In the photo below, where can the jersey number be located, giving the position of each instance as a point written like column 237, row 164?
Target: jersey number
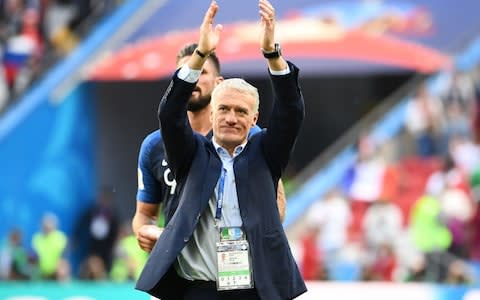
column 166, row 178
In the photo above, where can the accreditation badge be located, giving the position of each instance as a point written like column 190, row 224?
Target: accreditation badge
column 233, row 260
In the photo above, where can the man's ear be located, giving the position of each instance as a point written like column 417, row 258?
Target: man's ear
column 218, row 79
column 255, row 119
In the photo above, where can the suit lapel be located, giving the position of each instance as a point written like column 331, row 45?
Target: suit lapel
column 240, row 167
column 212, row 173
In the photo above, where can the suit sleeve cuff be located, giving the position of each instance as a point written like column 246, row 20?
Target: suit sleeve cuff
column 189, row 75
column 281, row 72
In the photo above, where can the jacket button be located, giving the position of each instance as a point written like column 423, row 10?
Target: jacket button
column 198, row 217
column 185, row 239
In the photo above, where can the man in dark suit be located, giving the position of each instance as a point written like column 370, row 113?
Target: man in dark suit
column 156, row 185
column 225, row 239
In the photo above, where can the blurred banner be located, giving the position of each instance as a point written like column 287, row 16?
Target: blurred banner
column 322, row 37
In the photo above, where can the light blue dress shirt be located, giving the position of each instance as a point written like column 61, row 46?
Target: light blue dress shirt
column 230, row 213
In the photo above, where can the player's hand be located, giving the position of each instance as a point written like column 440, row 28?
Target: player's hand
column 147, row 236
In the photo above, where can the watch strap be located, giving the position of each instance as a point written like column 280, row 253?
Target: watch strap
column 274, row 54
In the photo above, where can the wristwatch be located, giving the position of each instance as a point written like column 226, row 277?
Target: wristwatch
column 276, row 53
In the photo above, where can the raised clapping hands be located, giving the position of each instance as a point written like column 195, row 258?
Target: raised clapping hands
column 210, row 34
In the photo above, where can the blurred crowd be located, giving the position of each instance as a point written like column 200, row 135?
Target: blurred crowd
column 35, row 33
column 107, row 249
column 407, row 210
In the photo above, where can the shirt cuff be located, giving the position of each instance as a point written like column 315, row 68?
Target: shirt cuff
column 281, row 72
column 189, row 75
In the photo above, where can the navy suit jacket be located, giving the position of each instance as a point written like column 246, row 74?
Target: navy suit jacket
column 196, row 166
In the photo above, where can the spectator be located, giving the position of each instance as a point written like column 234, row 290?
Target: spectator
column 366, row 184
column 332, row 217
column 451, row 187
column 93, row 268
column 67, row 19
column 312, row 259
column 474, row 236
column 416, row 270
column 14, row 259
column 22, row 42
column 449, row 174
column 460, row 92
column 383, row 265
column 476, row 110
column 11, row 17
column 465, row 154
column 382, row 225
column 431, row 236
column 423, row 120
column 129, row 257
column 458, row 273
column 457, row 210
column 98, row 228
column 428, row 232
column 49, row 245
column 4, row 91
column 457, row 123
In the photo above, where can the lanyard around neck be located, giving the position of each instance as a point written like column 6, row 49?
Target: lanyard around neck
column 220, row 194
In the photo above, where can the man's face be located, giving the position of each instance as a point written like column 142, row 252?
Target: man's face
column 202, row 93
column 232, row 117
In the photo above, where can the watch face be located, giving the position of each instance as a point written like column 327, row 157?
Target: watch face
column 278, row 49
column 276, row 53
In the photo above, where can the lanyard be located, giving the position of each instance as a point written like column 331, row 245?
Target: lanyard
column 221, row 188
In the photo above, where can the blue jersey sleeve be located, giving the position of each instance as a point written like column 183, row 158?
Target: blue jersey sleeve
column 149, row 189
column 255, row 129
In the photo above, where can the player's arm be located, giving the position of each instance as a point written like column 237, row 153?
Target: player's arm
column 144, row 222
column 281, row 200
column 144, row 225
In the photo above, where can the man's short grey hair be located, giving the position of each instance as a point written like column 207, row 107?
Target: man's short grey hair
column 239, row 85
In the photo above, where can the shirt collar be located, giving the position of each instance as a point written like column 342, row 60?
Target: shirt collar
column 222, row 151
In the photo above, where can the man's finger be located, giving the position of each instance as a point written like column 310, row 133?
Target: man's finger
column 218, row 29
column 211, row 12
column 146, row 247
column 267, row 12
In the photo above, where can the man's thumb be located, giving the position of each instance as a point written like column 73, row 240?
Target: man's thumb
column 218, row 28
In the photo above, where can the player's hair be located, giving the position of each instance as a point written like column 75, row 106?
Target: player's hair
column 189, row 49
